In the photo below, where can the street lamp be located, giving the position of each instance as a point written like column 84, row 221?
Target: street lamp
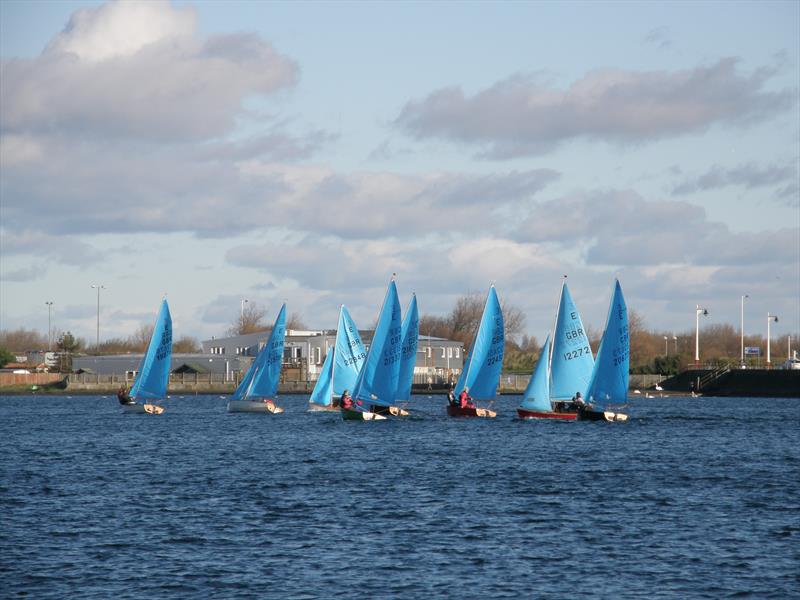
column 675, row 339
column 241, row 315
column 98, row 287
column 770, row 319
column 666, row 346
column 742, row 328
column 698, row 311
column 49, row 325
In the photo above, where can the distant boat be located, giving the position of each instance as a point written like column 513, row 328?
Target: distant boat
column 536, row 398
column 571, row 362
column 153, row 374
column 341, row 366
column 256, row 392
column 609, row 382
column 481, row 372
column 376, row 387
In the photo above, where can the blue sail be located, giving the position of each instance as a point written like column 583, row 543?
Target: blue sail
column 151, row 382
column 571, row 363
column 609, row 383
column 377, row 381
column 261, row 380
column 481, row 372
column 537, row 394
column 323, row 389
column 350, row 354
column 408, row 360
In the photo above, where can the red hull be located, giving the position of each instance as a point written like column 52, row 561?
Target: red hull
column 533, row 414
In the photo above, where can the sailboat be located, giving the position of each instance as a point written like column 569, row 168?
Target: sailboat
column 536, row 399
column 376, row 387
column 571, row 360
column 153, row 374
column 257, row 389
column 481, row 372
column 609, row 382
column 341, row 366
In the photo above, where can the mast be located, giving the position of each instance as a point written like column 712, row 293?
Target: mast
column 333, row 358
column 555, row 324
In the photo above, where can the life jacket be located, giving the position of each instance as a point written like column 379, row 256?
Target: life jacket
column 347, row 402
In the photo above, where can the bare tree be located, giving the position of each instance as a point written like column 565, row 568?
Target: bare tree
column 296, row 322
column 250, row 320
column 186, row 345
column 139, row 340
column 22, row 340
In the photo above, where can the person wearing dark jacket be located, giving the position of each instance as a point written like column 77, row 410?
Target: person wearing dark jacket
column 123, row 397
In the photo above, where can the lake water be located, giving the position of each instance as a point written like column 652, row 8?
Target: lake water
column 693, row 498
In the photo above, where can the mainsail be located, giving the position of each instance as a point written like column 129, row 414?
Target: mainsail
column 408, row 358
column 377, row 381
column 609, row 383
column 537, row 394
column 261, row 380
column 482, row 368
column 153, row 377
column 571, row 363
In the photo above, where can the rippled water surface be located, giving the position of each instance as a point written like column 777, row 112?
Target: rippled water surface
column 693, row 498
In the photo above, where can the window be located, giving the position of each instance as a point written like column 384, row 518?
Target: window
column 458, row 352
column 450, row 352
column 318, row 353
column 428, row 351
column 444, row 352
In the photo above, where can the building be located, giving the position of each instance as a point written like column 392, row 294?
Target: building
column 128, row 364
column 437, row 358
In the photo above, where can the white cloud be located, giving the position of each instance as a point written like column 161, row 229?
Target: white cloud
column 121, row 28
column 521, row 115
column 139, row 70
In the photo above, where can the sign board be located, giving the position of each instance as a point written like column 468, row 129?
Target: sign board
column 752, row 350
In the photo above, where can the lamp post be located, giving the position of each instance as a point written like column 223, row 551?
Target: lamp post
column 698, row 311
column 770, row 319
column 98, row 287
column 742, row 328
column 241, row 316
column 666, row 346
column 49, row 325
column 675, row 339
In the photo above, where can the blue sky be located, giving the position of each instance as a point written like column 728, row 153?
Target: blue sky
column 303, row 152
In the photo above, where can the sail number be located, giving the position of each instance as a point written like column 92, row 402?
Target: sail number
column 576, row 353
column 354, row 359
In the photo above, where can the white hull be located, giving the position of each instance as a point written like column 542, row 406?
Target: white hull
column 142, row 409
column 256, row 406
column 615, row 416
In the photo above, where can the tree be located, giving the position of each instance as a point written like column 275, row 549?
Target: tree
column 67, row 344
column 139, row 340
column 186, row 345
column 295, row 322
column 249, row 320
column 5, row 357
column 21, row 340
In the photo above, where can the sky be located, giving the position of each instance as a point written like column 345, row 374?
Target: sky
column 303, row 152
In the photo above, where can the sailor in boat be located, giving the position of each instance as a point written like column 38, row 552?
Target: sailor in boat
column 124, row 397
column 451, row 397
column 464, row 399
column 347, row 400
